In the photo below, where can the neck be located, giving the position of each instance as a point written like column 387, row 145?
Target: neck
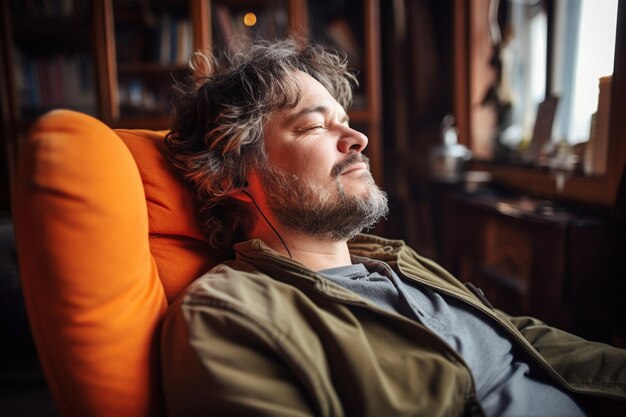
column 315, row 253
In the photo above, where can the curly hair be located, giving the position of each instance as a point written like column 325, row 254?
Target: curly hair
column 219, row 115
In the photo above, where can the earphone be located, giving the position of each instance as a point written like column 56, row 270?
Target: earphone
column 245, row 184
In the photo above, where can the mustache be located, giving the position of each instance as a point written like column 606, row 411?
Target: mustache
column 353, row 158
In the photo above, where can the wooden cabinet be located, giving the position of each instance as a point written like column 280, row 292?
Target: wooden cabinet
column 531, row 257
column 115, row 59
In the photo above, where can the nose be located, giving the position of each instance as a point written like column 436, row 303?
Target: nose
column 352, row 140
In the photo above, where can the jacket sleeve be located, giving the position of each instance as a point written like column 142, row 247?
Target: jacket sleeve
column 218, row 362
column 586, row 366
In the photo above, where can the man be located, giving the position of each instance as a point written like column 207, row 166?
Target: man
column 311, row 318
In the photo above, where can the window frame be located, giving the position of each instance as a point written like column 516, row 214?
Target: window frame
column 600, row 190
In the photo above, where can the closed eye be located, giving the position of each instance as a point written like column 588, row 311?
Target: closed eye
column 311, row 128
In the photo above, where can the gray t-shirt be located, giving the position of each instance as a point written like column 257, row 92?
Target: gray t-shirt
column 511, row 388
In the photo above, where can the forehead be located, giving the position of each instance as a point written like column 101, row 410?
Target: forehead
column 313, row 97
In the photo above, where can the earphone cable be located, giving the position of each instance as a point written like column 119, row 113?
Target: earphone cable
column 268, row 222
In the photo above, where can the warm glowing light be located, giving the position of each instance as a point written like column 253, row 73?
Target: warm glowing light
column 249, row 19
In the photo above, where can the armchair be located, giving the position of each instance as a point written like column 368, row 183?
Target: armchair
column 106, row 239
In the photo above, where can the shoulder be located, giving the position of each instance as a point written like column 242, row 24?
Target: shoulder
column 238, row 289
column 235, row 305
column 228, row 284
column 229, row 337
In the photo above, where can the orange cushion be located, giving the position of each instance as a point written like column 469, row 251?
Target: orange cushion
column 174, row 229
column 84, row 234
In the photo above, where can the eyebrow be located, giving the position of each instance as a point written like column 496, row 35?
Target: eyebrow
column 314, row 109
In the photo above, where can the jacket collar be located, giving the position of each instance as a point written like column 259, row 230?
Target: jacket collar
column 363, row 245
column 394, row 252
column 274, row 264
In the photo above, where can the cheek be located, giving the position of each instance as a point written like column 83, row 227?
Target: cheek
column 304, row 161
column 316, row 163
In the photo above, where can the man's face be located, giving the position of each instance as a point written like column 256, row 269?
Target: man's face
column 317, row 181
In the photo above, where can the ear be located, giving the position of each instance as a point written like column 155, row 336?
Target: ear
column 250, row 189
column 243, row 194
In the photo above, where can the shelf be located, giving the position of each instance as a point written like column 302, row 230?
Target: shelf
column 582, row 189
column 59, row 28
column 145, row 68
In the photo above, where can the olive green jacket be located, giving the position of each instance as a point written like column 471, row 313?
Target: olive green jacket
column 262, row 335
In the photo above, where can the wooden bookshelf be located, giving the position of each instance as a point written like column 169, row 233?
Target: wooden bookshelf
column 122, row 55
column 49, row 58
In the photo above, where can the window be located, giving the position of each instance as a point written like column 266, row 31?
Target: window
column 513, row 57
column 584, row 48
column 522, row 84
column 540, row 49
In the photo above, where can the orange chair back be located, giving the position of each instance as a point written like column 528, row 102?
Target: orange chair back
column 106, row 239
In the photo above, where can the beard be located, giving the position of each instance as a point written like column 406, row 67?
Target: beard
column 324, row 212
